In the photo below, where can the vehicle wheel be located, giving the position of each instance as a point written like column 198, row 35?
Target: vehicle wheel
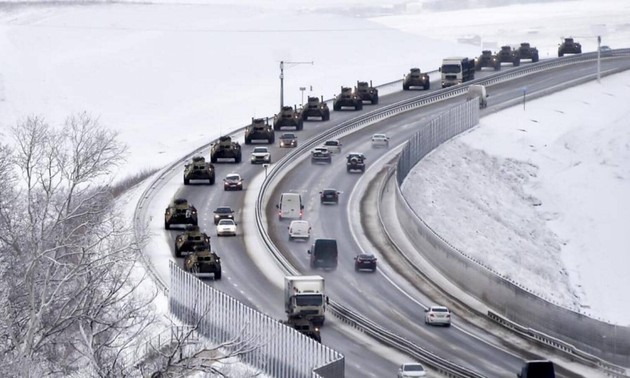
column 238, row 158
column 447, row 324
column 375, row 101
column 356, row 268
column 336, row 107
column 405, row 87
column 560, row 54
column 535, row 58
column 326, row 116
column 272, row 139
column 166, row 225
column 517, row 62
column 497, row 67
column 195, row 222
column 359, row 106
column 427, row 86
column 299, row 126
column 212, row 180
column 217, row 275
column 178, row 252
column 213, row 159
column 248, row 141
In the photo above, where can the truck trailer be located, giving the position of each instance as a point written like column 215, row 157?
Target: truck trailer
column 456, row 70
column 304, row 297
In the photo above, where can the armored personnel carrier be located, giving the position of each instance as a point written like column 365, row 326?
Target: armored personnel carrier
column 259, row 129
column 486, row 59
column 525, row 51
column 508, row 55
column 306, row 327
column 225, row 149
column 198, row 169
column 192, row 238
column 569, row 46
column 355, row 161
column 415, row 78
column 347, row 98
column 203, row 263
column 288, row 117
column 316, row 108
column 367, row 92
column 180, row 212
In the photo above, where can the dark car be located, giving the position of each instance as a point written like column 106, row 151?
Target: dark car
column 289, row 140
column 327, row 196
column 365, row 262
column 223, row 212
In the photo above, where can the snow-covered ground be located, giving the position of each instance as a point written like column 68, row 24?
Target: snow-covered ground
column 541, row 195
column 171, row 77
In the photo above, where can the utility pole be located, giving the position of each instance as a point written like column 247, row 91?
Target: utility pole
column 289, row 64
column 599, row 63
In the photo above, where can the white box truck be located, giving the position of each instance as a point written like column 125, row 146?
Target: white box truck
column 304, row 297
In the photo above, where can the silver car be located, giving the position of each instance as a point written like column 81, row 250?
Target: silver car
column 438, row 315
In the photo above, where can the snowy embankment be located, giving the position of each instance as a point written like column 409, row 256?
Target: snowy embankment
column 541, row 195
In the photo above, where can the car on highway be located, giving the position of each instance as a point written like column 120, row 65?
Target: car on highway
column 411, row 369
column 233, row 181
column 226, row 227
column 321, row 155
column 329, row 196
column 380, row 140
column 438, row 315
column 223, row 212
column 261, row 155
column 299, row 229
column 288, row 140
column 364, row 261
column 333, row 145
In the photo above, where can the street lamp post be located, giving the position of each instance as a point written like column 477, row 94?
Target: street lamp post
column 302, row 89
column 289, row 64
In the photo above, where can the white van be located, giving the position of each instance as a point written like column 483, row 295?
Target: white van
column 290, row 206
column 478, row 91
column 299, row 229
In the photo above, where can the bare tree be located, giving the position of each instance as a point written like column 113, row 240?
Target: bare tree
column 66, row 255
column 186, row 354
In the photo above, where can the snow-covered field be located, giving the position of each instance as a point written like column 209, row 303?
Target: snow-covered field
column 541, row 195
column 171, row 77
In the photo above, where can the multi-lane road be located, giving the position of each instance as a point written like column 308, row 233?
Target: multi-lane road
column 384, row 296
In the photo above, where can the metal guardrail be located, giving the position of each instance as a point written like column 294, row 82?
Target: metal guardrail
column 347, row 315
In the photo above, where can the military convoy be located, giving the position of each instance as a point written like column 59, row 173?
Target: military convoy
column 259, row 129
column 203, row 263
column 288, row 117
column 225, row 149
column 486, row 59
column 316, row 108
column 525, row 51
column 509, row 55
column 192, row 238
column 180, row 212
column 569, row 46
column 415, row 78
column 367, row 92
column 198, row 169
column 347, row 98
column 306, row 327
